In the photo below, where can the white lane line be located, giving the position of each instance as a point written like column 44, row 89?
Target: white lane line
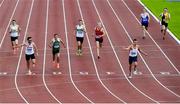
column 119, row 62
column 44, row 61
column 139, row 53
column 19, row 61
column 5, row 33
column 170, row 33
column 69, row 62
column 153, row 39
column 1, row 3
column 95, row 66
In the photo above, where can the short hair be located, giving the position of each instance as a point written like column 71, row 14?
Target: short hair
column 80, row 19
column 28, row 38
column 134, row 40
column 165, row 8
column 14, row 20
column 55, row 34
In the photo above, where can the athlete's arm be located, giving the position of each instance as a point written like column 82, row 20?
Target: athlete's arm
column 103, row 32
column 127, row 48
column 35, row 48
column 50, row 44
column 63, row 43
column 19, row 29
column 141, row 51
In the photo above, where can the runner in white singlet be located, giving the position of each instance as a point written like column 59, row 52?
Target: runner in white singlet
column 14, row 31
column 30, row 50
column 80, row 32
column 133, row 55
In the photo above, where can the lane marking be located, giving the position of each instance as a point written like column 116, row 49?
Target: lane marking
column 83, row 73
column 165, row 73
column 110, row 73
column 153, row 39
column 171, row 34
column 93, row 59
column 69, row 62
column 5, row 33
column 44, row 60
column 20, row 57
column 1, row 3
column 139, row 53
column 115, row 53
column 161, row 51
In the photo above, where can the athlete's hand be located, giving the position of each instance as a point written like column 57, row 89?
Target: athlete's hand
column 37, row 54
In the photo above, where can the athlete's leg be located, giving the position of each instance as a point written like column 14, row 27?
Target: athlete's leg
column 34, row 62
column 130, row 70
column 144, row 31
column 135, row 66
column 97, row 47
column 58, row 60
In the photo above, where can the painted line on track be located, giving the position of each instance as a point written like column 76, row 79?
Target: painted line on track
column 153, row 39
column 139, row 53
column 161, row 51
column 118, row 60
column 44, row 61
column 6, row 30
column 68, row 54
column 94, row 63
column 171, row 34
column 20, row 57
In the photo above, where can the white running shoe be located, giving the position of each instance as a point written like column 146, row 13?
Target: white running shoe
column 130, row 76
column 54, row 73
column 135, row 72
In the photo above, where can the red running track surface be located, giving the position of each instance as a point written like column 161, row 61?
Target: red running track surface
column 42, row 18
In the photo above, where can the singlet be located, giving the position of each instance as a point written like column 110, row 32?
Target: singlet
column 14, row 30
column 165, row 17
column 98, row 32
column 29, row 48
column 133, row 52
column 56, row 43
column 144, row 17
column 80, row 31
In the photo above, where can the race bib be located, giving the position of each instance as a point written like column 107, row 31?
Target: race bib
column 80, row 32
column 29, row 49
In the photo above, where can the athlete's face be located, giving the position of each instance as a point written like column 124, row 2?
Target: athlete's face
column 56, row 36
column 29, row 41
column 144, row 10
column 134, row 42
column 80, row 22
column 99, row 24
column 165, row 10
column 13, row 22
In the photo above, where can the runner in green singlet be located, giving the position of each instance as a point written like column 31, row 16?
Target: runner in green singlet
column 55, row 44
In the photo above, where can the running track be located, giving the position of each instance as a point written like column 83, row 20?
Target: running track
column 106, row 81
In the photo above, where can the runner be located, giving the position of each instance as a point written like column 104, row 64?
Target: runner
column 14, row 31
column 30, row 50
column 145, row 18
column 99, row 33
column 133, row 55
column 80, row 32
column 55, row 45
column 164, row 19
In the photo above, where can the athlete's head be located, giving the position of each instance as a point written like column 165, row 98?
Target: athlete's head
column 165, row 10
column 144, row 10
column 80, row 22
column 13, row 22
column 56, row 36
column 29, row 39
column 135, row 41
column 99, row 24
